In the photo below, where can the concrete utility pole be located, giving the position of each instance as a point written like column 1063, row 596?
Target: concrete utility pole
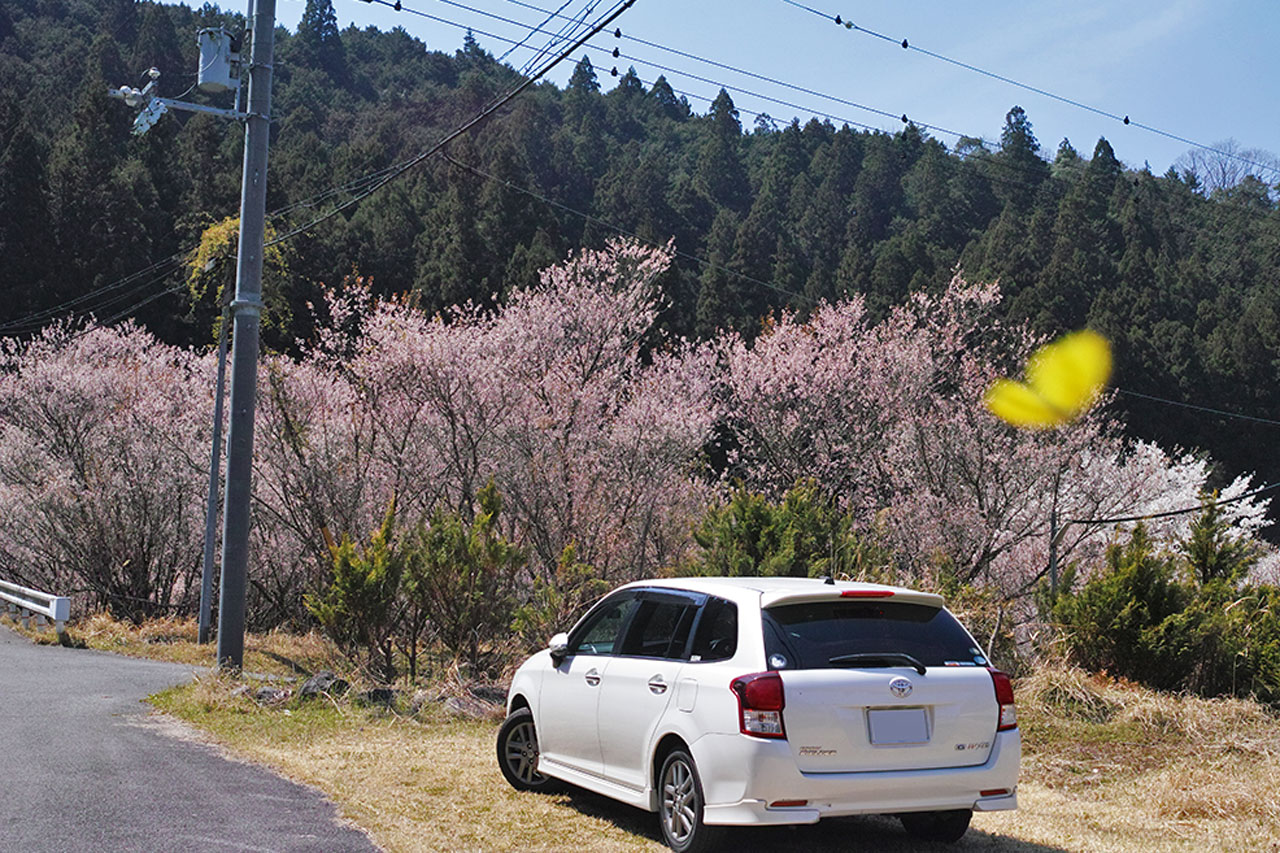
column 211, row 508
column 246, row 310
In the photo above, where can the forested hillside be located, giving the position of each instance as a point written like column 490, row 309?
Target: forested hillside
column 1184, row 277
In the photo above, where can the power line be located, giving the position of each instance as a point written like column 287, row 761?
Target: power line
column 1125, row 119
column 567, row 31
column 522, row 41
column 33, row 321
column 489, row 110
column 728, row 87
column 762, row 77
column 1173, row 512
column 1194, row 407
column 900, row 117
column 619, row 55
column 550, row 14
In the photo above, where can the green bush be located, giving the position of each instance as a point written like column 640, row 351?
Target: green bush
column 1109, row 620
column 1140, row 619
column 747, row 536
column 358, row 610
column 1226, row 642
column 463, row 575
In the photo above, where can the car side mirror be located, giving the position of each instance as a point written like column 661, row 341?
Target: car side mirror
column 559, row 648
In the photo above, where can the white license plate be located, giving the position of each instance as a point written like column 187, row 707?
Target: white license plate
column 893, row 726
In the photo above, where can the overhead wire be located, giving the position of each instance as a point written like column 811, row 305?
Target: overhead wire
column 727, row 86
column 1170, row 513
column 1123, row 119
column 903, row 117
column 567, row 31
column 608, row 18
column 1193, row 406
column 522, row 41
column 89, row 302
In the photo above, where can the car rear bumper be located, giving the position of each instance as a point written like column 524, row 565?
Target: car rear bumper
column 741, row 776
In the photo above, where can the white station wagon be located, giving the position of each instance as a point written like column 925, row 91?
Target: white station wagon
column 761, row 701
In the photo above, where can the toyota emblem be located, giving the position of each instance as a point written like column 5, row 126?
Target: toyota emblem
column 900, row 687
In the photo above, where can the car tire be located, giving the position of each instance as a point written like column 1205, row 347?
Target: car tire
column 680, row 806
column 518, row 753
column 947, row 826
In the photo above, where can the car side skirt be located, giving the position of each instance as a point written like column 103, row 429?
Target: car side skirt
column 640, row 798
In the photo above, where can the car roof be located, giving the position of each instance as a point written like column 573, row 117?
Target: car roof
column 773, row 591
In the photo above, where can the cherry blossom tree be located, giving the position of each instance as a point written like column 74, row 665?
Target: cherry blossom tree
column 888, row 418
column 589, row 424
column 104, row 439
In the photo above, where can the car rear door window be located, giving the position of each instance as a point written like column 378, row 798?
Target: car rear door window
column 815, row 635
column 660, row 627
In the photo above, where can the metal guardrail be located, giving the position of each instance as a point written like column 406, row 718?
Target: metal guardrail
column 33, row 601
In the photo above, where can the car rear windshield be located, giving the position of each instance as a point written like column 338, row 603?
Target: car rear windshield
column 816, row 635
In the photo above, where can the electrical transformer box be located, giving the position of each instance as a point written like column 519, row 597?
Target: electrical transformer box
column 219, row 61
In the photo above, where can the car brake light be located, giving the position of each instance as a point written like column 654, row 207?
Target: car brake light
column 760, row 703
column 1008, row 718
column 866, row 593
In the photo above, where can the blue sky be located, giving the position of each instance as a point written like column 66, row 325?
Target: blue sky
column 1206, row 70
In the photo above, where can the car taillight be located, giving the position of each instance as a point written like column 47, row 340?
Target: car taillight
column 1008, row 718
column 760, row 703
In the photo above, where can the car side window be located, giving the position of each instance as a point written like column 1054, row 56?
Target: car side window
column 599, row 633
column 660, row 629
column 717, row 636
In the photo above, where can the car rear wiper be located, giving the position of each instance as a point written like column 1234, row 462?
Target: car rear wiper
column 878, row 659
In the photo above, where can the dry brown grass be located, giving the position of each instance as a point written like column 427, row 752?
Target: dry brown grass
column 1116, row 766
column 275, row 653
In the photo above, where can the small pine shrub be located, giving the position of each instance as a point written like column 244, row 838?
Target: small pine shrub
column 1138, row 619
column 463, row 575
column 358, row 609
column 1109, row 621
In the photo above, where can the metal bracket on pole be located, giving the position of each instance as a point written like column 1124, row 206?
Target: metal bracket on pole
column 248, row 306
column 201, row 108
column 153, row 106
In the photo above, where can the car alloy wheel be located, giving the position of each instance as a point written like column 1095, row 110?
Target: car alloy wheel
column 680, row 806
column 518, row 752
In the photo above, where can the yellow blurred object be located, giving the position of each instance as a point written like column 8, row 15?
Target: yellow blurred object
column 1064, row 379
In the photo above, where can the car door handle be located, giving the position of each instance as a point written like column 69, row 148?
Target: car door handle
column 592, row 677
column 657, row 685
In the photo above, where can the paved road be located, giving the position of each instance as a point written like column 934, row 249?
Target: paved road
column 84, row 766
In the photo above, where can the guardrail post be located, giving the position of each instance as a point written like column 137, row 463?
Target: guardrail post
column 61, row 613
column 26, row 619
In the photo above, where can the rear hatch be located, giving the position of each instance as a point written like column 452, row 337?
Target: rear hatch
column 856, row 698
